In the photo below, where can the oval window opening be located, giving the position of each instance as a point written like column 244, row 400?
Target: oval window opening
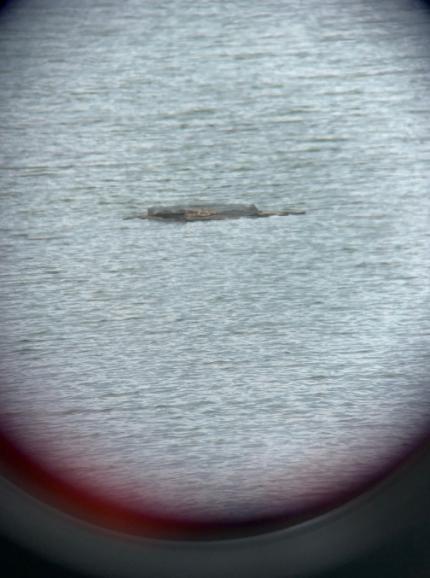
column 193, row 369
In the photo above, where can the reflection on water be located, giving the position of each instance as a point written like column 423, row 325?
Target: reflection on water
column 230, row 367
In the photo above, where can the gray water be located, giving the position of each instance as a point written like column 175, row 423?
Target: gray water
column 225, row 368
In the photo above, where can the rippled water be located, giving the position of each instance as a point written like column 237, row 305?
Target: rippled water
column 231, row 367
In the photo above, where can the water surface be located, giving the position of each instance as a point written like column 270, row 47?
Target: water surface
column 225, row 368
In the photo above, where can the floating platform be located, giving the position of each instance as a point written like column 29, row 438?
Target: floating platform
column 211, row 212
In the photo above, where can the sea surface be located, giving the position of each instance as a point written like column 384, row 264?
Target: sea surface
column 217, row 369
